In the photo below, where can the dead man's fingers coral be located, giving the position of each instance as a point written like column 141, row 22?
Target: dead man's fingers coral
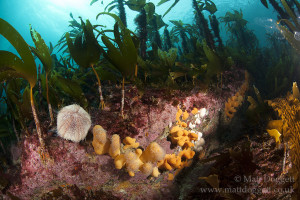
column 115, row 146
column 153, row 153
column 100, row 142
column 130, row 143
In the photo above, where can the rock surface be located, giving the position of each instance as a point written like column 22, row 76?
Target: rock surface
column 75, row 166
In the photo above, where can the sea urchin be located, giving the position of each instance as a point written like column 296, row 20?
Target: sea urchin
column 73, row 123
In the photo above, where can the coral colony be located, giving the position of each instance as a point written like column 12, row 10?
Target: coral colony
column 146, row 115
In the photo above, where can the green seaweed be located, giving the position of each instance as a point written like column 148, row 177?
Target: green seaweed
column 146, row 12
column 6, row 134
column 52, row 93
column 135, row 5
column 18, row 102
column 116, row 18
column 154, row 25
column 241, row 37
column 234, row 21
column 291, row 13
column 258, row 110
column 4, row 130
column 93, row 1
column 141, row 22
column 214, row 23
column 150, row 10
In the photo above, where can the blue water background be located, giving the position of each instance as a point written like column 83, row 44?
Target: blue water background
column 50, row 17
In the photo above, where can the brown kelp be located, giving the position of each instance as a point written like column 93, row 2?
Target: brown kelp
column 167, row 39
column 214, row 23
column 180, row 29
column 241, row 36
column 288, row 109
column 202, row 23
column 123, row 58
column 141, row 21
column 14, row 67
column 86, row 53
column 119, row 4
column 42, row 52
column 290, row 29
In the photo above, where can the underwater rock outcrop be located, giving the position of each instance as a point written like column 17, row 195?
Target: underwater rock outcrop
column 148, row 119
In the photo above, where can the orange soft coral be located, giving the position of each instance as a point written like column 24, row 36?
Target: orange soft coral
column 137, row 160
column 182, row 137
column 232, row 104
column 119, row 161
column 185, row 115
column 235, row 101
column 178, row 114
column 100, row 141
column 187, row 153
column 172, row 161
column 115, row 146
column 153, row 153
column 194, row 111
column 147, row 168
column 130, row 143
column 148, row 161
column 133, row 162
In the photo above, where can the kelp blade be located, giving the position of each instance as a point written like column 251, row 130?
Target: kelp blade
column 28, row 70
column 41, row 50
